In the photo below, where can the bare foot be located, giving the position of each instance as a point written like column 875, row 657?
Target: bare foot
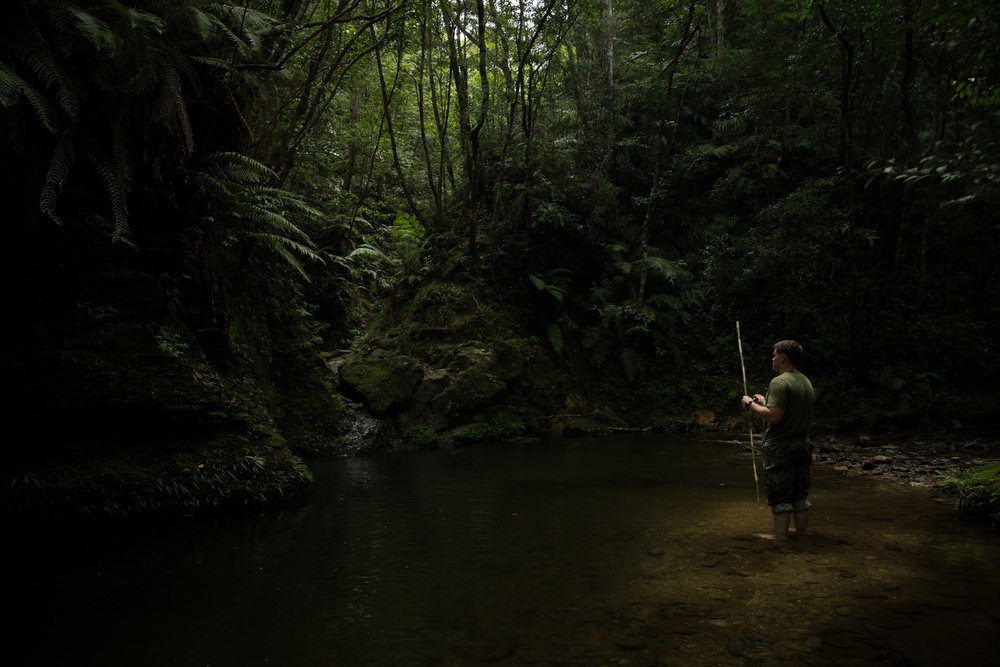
column 772, row 537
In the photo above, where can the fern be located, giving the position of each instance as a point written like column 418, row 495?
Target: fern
column 238, row 25
column 48, row 70
column 94, row 30
column 555, row 282
column 13, row 87
column 631, row 363
column 171, row 106
column 233, row 187
column 595, row 341
column 284, row 247
column 59, row 167
column 668, row 269
column 113, row 182
column 556, row 338
column 367, row 251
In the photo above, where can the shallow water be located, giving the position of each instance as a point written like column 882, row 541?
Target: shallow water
column 630, row 549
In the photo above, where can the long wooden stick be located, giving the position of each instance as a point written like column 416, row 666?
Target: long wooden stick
column 753, row 459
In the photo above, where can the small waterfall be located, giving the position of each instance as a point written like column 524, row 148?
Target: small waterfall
column 369, row 435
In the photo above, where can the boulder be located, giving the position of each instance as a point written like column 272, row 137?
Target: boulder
column 384, row 384
column 472, row 389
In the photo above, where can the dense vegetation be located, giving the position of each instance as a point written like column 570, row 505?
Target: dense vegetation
column 202, row 197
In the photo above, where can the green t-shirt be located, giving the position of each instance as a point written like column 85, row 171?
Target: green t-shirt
column 794, row 392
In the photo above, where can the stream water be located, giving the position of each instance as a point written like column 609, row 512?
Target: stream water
column 629, row 550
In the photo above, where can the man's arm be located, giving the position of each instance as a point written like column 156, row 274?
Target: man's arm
column 758, row 407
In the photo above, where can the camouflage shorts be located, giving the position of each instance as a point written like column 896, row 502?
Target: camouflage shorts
column 786, row 474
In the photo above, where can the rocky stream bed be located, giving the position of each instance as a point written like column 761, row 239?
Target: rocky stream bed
column 915, row 459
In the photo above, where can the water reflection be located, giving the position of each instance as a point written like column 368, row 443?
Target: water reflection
column 577, row 551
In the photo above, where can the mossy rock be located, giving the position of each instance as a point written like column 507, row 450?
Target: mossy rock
column 504, row 359
column 382, row 383
column 420, row 436
column 498, row 429
column 510, row 358
column 474, row 388
column 579, row 426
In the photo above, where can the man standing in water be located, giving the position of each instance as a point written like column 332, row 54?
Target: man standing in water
column 787, row 410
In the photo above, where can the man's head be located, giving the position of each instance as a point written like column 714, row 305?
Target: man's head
column 787, row 353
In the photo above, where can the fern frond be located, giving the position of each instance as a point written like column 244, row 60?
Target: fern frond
column 59, row 167
column 238, row 168
column 292, row 261
column 202, row 24
column 596, row 342
column 121, row 152
column 144, row 22
column 368, row 252
column 113, row 183
column 184, row 121
column 136, row 58
column 214, row 63
column 668, row 301
column 61, row 19
column 217, row 188
column 262, row 215
column 556, row 338
column 206, row 25
column 179, row 60
column 665, row 268
column 631, row 363
column 142, row 80
column 285, row 242
column 44, row 64
column 296, row 203
column 285, row 247
column 13, row 130
column 247, row 22
column 12, row 87
column 555, row 290
column 93, row 29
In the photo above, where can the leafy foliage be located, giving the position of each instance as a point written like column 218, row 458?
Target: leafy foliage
column 628, row 179
column 979, row 493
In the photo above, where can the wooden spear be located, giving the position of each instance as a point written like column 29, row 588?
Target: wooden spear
column 753, row 459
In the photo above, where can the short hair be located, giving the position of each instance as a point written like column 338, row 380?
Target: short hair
column 790, row 348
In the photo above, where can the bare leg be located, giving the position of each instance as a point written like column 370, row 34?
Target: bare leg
column 801, row 524
column 781, row 522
